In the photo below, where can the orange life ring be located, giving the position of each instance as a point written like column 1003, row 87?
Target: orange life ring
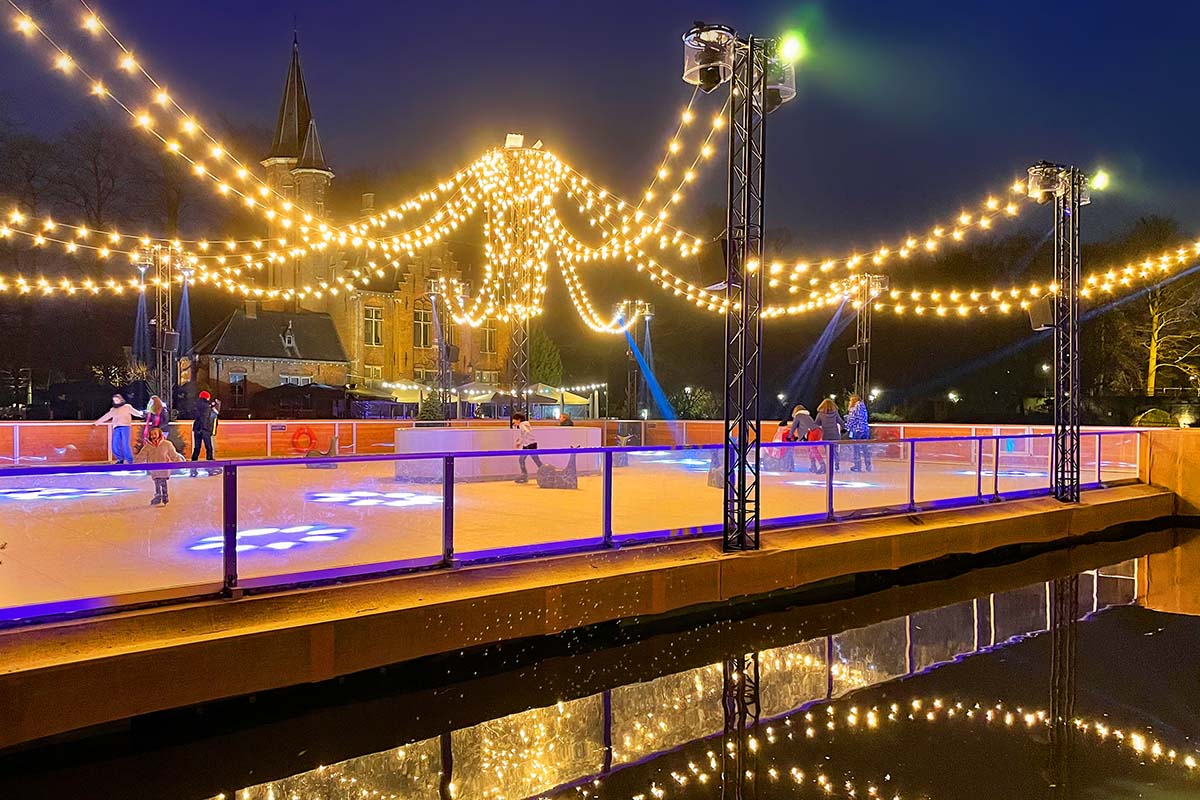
column 307, row 432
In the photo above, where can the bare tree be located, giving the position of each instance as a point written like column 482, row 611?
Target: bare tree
column 26, row 168
column 96, row 172
column 1172, row 332
column 1154, row 337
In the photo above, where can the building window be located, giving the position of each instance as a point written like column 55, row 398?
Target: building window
column 423, row 327
column 433, row 283
column 295, row 380
column 450, row 331
column 373, row 375
column 487, row 338
column 487, row 375
column 373, row 326
column 237, row 389
column 426, row 375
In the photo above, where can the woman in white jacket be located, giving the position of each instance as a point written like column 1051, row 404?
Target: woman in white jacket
column 120, row 416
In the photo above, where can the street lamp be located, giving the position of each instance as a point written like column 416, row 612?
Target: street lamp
column 954, row 397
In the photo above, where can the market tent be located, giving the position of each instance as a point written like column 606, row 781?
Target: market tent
column 544, row 394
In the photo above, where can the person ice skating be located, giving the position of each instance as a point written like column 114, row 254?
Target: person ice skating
column 202, row 427
column 858, row 428
column 121, row 417
column 783, row 455
column 832, row 427
column 525, row 441
column 157, row 450
column 803, row 428
column 565, row 421
column 156, row 416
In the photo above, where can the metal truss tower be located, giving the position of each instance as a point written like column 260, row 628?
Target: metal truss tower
column 744, row 291
column 158, row 261
column 869, row 287
column 1068, row 188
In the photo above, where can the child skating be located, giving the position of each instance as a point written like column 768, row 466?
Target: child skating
column 157, row 450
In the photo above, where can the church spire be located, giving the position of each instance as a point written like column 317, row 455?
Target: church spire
column 311, row 154
column 295, row 114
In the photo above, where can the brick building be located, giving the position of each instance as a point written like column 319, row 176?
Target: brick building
column 368, row 338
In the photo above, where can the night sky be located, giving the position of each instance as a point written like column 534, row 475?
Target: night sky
column 907, row 111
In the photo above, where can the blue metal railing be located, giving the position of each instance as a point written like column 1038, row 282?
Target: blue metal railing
column 974, row 450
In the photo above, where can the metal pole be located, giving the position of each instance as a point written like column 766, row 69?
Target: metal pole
column 229, row 526
column 607, row 499
column 1099, row 461
column 448, row 511
column 16, row 429
column 829, row 482
column 996, row 472
column 977, row 446
column 912, row 475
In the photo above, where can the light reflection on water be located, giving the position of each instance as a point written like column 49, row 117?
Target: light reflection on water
column 667, row 735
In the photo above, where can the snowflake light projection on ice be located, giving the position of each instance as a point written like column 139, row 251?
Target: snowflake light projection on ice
column 273, row 538
column 364, row 497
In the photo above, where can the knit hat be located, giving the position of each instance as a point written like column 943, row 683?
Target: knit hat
column 205, row 396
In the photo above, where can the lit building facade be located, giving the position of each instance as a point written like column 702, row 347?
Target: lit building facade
column 368, row 338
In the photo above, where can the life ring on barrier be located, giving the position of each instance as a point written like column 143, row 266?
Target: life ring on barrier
column 311, row 437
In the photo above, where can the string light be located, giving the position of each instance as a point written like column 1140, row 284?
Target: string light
column 958, row 304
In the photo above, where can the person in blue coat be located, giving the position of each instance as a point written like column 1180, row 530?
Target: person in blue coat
column 858, row 428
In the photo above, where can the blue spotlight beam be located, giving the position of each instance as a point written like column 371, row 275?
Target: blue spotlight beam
column 656, row 390
column 804, row 380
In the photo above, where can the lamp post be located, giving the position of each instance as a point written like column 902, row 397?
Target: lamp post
column 760, row 80
column 1067, row 188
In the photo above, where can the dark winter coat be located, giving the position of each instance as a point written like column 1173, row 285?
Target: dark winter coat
column 831, row 424
column 202, row 416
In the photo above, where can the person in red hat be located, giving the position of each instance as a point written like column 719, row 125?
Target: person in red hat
column 202, row 427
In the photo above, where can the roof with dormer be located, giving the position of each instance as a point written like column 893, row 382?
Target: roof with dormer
column 295, row 336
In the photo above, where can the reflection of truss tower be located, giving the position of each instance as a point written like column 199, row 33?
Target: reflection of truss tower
column 739, row 746
column 1064, row 622
column 868, row 288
